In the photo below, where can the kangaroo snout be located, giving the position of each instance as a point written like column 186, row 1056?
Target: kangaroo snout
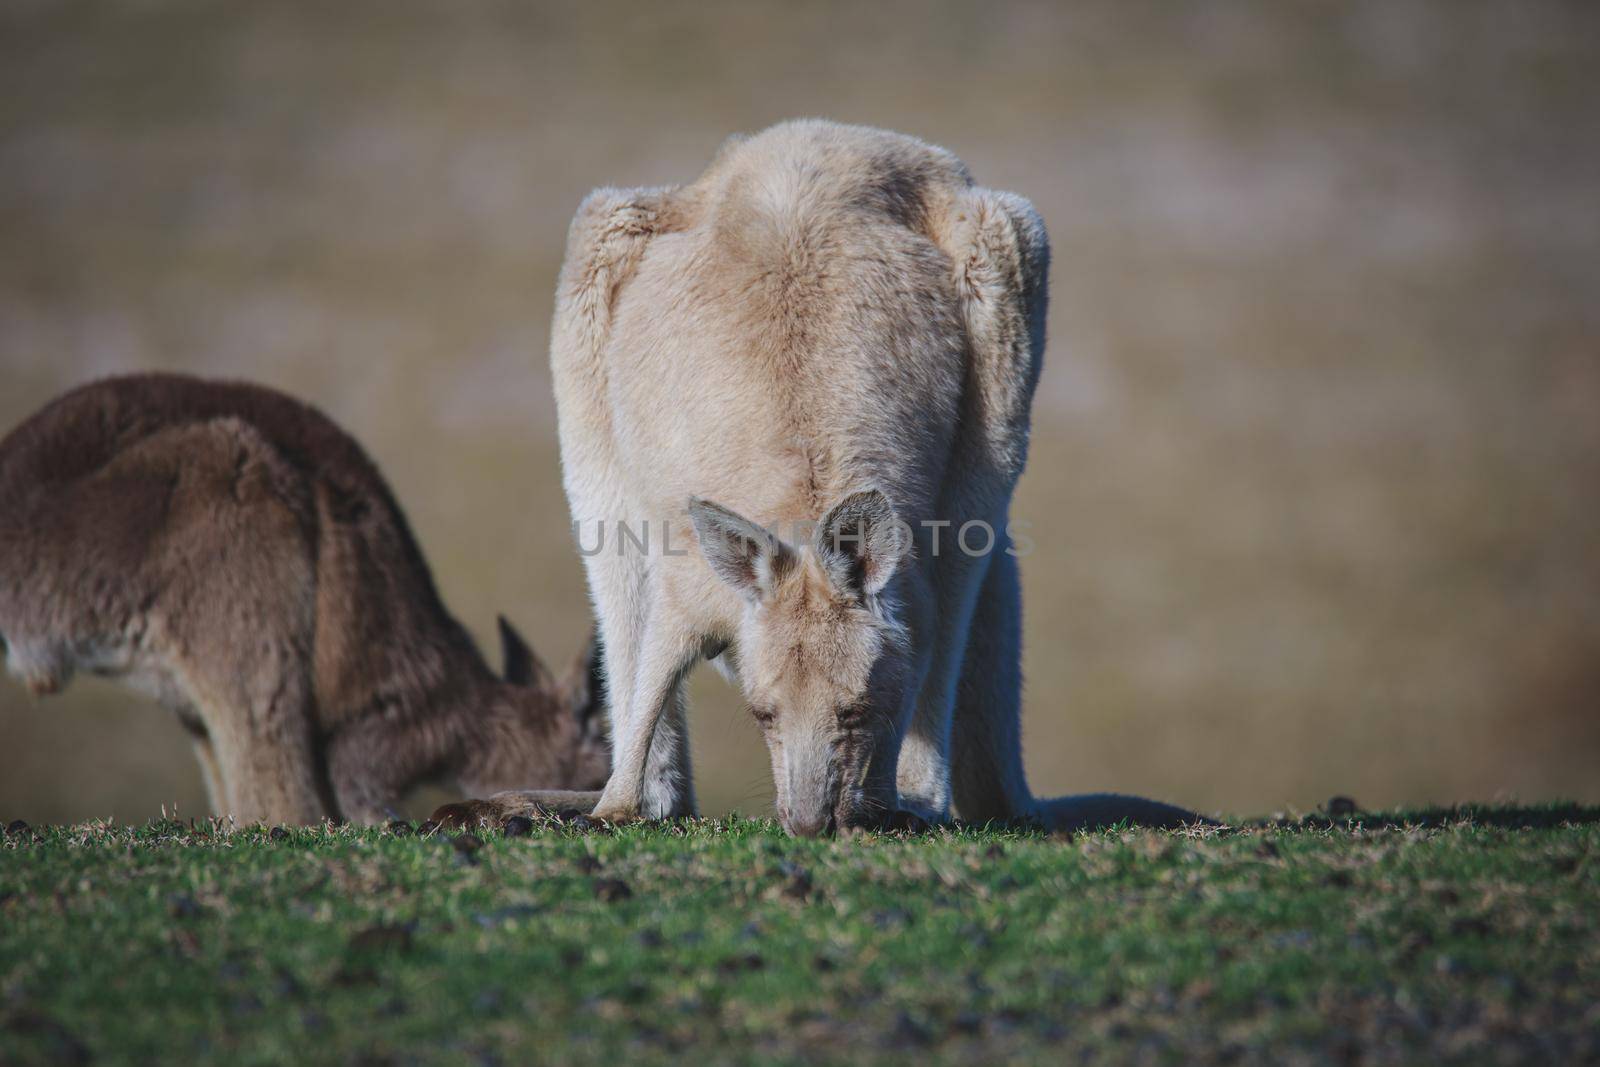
column 810, row 824
column 830, row 819
column 811, row 814
column 807, row 778
column 825, row 811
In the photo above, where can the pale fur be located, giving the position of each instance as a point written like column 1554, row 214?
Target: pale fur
column 829, row 313
column 235, row 555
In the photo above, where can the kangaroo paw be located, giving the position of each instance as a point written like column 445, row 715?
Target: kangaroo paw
column 616, row 816
column 464, row 814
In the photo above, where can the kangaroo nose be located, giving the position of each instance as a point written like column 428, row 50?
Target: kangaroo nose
column 809, row 825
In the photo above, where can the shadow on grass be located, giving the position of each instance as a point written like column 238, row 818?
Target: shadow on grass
column 1532, row 817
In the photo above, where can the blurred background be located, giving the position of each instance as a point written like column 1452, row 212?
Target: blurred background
column 1316, row 473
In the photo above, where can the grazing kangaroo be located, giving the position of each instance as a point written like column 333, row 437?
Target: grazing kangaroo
column 235, row 554
column 832, row 330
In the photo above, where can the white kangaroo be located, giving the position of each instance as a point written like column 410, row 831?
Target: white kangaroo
column 831, row 328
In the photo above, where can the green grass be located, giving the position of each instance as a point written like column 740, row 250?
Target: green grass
column 1436, row 937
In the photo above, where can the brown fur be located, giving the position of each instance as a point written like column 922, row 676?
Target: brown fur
column 234, row 553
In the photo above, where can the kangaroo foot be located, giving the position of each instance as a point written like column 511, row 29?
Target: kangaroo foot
column 616, row 816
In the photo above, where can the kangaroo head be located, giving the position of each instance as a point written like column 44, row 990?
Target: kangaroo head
column 570, row 713
column 821, row 658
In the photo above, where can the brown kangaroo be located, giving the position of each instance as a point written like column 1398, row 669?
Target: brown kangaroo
column 233, row 553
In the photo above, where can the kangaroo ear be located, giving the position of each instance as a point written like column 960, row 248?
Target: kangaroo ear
column 584, row 688
column 861, row 541
column 739, row 552
column 522, row 667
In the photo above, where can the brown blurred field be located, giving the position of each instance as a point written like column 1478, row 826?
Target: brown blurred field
column 1316, row 480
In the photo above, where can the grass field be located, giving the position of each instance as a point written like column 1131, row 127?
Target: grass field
column 1463, row 936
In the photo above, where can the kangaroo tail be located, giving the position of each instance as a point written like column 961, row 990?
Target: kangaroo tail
column 1089, row 811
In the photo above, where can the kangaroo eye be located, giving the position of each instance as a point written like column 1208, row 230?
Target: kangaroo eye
column 763, row 714
column 851, row 716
